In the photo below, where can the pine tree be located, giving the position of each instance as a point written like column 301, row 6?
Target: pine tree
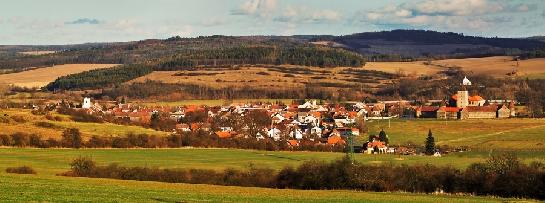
column 383, row 137
column 430, row 144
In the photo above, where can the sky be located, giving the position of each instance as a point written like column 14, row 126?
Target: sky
column 41, row 22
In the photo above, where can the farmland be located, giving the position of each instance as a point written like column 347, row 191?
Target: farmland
column 46, row 186
column 279, row 77
column 26, row 188
column 42, row 76
column 497, row 66
column 28, row 123
column 484, row 134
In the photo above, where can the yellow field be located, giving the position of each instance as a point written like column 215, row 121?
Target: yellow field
column 29, row 125
column 36, row 53
column 42, row 76
column 263, row 77
column 497, row 66
column 403, row 68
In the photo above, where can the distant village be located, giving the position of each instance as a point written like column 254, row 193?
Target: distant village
column 324, row 123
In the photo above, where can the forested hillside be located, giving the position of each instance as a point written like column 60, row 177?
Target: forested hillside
column 403, row 45
column 201, row 51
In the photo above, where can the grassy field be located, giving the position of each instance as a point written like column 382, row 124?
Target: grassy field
column 25, row 188
column 512, row 134
column 53, row 161
column 46, row 186
column 42, row 76
column 87, row 129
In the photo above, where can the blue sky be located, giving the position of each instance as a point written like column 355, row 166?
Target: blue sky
column 79, row 21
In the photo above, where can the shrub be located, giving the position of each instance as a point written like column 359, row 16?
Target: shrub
column 83, row 166
column 21, row 170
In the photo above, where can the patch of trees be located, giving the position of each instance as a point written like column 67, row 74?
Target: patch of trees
column 501, row 175
column 71, row 138
column 99, row 78
column 170, row 92
column 433, row 37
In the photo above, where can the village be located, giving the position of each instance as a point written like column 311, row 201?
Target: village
column 332, row 124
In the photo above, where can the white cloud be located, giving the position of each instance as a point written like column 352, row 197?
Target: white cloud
column 444, row 14
column 294, row 14
column 454, row 7
column 257, row 8
column 213, row 21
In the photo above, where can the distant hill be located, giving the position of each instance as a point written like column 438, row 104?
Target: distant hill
column 389, row 45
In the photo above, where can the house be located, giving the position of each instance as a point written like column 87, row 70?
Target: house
column 426, row 111
column 503, row 112
column 479, row 112
column 335, row 140
column 183, row 127
column 296, row 133
column 225, row 134
column 274, row 133
column 293, row 143
column 376, row 147
column 448, row 113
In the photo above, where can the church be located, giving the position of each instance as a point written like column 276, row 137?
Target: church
column 463, row 106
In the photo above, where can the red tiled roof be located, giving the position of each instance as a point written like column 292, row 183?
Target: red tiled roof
column 491, row 108
column 475, row 98
column 293, row 143
column 449, row 109
column 223, row 134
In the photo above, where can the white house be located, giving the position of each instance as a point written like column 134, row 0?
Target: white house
column 274, row 133
column 86, row 103
column 297, row 134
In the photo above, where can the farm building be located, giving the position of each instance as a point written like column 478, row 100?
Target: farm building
column 448, row 113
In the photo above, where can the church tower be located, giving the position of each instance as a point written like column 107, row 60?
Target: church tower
column 463, row 95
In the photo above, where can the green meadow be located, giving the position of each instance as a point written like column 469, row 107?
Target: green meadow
column 492, row 134
column 47, row 186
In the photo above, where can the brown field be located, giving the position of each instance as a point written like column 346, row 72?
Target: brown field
column 36, row 53
column 42, row 76
column 404, row 68
column 259, row 77
column 497, row 66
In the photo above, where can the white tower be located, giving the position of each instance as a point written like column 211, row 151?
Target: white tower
column 463, row 99
column 463, row 96
column 86, row 103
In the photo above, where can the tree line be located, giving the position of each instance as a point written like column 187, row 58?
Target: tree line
column 501, row 175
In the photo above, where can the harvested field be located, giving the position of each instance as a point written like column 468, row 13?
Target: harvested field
column 43, row 76
column 404, row 68
column 36, row 53
column 273, row 77
column 497, row 66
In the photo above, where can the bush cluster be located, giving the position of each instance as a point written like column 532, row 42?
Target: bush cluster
column 72, row 138
column 21, row 170
column 502, row 176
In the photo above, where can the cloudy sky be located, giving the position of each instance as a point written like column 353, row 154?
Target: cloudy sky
column 79, row 21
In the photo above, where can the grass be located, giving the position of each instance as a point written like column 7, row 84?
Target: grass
column 25, row 188
column 87, row 129
column 42, row 76
column 46, row 186
column 53, row 161
column 506, row 134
